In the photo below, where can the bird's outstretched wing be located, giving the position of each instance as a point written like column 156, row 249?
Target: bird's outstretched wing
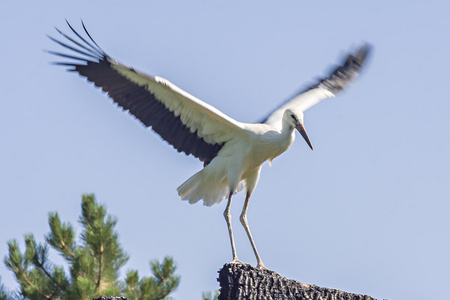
column 187, row 123
column 326, row 88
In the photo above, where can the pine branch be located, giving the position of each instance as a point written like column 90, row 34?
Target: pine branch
column 40, row 258
column 58, row 285
column 18, row 263
column 94, row 264
column 31, row 284
column 4, row 293
column 100, row 262
column 61, row 237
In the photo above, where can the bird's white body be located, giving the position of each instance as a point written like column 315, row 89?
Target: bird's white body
column 232, row 152
column 247, row 146
column 237, row 164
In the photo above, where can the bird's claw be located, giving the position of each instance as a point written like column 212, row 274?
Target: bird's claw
column 261, row 266
column 236, row 261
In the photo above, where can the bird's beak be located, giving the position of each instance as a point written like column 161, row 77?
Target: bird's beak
column 302, row 131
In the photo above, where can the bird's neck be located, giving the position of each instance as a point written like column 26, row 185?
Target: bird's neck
column 282, row 141
column 287, row 135
column 286, row 127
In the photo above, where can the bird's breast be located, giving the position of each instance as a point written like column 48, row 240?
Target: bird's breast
column 269, row 145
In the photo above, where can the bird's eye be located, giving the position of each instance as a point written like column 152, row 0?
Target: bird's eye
column 294, row 117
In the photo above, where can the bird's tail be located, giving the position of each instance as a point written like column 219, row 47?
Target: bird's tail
column 201, row 186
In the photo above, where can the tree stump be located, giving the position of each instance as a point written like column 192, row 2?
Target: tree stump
column 243, row 281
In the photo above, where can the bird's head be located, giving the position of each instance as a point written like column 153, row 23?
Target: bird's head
column 295, row 120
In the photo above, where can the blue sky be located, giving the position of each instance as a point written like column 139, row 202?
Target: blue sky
column 368, row 211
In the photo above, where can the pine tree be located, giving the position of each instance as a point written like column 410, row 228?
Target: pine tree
column 94, row 263
column 4, row 294
column 210, row 296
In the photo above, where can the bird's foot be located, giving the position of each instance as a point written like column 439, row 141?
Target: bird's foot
column 261, row 266
column 236, row 261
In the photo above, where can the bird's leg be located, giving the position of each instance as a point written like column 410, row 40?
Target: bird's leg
column 244, row 223
column 227, row 215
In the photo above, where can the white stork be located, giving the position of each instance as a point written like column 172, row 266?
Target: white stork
column 233, row 152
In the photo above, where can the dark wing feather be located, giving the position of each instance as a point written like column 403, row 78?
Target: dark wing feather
column 327, row 87
column 97, row 67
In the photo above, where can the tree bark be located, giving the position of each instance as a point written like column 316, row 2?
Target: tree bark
column 110, row 298
column 242, row 281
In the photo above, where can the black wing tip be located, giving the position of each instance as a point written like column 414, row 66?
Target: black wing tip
column 364, row 50
column 340, row 75
column 89, row 51
column 343, row 74
column 359, row 57
column 354, row 60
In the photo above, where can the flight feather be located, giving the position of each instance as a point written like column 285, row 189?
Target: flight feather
column 187, row 123
column 327, row 87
